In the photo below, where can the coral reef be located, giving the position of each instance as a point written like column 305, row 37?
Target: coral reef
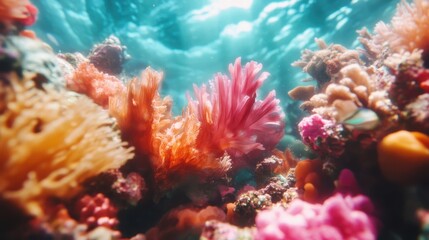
column 89, row 152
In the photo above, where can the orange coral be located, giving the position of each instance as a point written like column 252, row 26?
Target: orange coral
column 310, row 178
column 409, row 28
column 87, row 79
column 178, row 159
column 141, row 112
column 404, row 157
column 51, row 142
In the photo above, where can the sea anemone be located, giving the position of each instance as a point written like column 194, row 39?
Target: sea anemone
column 51, row 141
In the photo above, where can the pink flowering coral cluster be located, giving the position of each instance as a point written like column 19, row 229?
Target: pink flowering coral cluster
column 232, row 119
column 339, row 217
column 314, row 127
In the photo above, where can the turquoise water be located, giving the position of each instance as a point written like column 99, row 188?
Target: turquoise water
column 192, row 40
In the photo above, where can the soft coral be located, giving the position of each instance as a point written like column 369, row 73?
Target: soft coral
column 232, row 119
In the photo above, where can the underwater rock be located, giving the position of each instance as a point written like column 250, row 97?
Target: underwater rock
column 109, row 56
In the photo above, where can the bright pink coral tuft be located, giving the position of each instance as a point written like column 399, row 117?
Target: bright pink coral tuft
column 231, row 117
column 340, row 217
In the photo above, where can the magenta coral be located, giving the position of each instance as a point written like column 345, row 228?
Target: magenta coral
column 340, row 217
column 314, row 127
column 232, row 119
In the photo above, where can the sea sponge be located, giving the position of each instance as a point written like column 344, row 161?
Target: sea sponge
column 404, row 157
column 50, row 142
column 232, row 119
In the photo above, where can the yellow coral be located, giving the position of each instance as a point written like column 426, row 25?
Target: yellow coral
column 51, row 142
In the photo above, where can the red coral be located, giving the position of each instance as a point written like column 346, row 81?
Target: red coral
column 87, row 79
column 97, row 211
column 410, row 82
column 232, row 119
column 20, row 11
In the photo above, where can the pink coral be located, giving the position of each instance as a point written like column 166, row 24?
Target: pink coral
column 313, row 127
column 232, row 119
column 340, row 217
column 97, row 211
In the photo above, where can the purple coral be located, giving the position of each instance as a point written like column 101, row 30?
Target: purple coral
column 340, row 217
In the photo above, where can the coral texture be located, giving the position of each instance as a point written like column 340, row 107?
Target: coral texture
column 178, row 159
column 95, row 211
column 108, row 56
column 340, row 217
column 87, row 79
column 232, row 119
column 50, row 143
column 141, row 112
column 409, row 28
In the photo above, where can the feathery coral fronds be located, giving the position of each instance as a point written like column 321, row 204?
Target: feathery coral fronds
column 232, row 119
column 178, row 159
column 51, row 142
column 409, row 28
column 140, row 111
column 87, row 79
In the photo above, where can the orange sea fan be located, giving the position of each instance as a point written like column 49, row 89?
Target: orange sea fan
column 50, row 142
column 179, row 160
column 141, row 112
column 99, row 86
column 409, row 29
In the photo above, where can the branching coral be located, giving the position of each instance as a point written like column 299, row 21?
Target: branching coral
column 87, row 79
column 325, row 63
column 340, row 217
column 51, row 142
column 232, row 119
column 409, row 29
column 141, row 112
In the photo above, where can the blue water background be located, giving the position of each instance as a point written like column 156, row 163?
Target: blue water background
column 192, row 40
